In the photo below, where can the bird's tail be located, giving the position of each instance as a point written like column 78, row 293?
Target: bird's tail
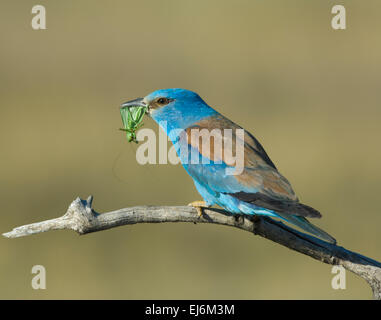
column 305, row 225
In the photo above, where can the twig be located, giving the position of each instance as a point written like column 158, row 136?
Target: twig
column 81, row 218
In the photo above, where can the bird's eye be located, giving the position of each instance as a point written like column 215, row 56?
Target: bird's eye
column 163, row 101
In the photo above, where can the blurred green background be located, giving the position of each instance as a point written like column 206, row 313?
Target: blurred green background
column 309, row 93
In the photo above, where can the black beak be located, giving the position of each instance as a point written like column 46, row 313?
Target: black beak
column 139, row 102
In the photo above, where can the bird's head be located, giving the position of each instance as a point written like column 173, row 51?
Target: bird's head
column 178, row 107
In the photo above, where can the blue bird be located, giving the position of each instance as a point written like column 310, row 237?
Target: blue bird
column 257, row 188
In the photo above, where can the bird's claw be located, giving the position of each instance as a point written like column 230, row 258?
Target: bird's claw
column 199, row 206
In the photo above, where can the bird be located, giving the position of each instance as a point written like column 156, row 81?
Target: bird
column 256, row 189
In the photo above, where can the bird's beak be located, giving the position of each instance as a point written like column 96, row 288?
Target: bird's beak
column 139, row 102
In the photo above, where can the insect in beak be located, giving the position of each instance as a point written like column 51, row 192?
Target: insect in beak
column 132, row 113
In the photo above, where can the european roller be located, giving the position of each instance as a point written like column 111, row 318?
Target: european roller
column 256, row 188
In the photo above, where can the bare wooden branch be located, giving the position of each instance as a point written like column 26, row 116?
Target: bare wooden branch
column 81, row 218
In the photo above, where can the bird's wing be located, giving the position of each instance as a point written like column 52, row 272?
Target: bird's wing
column 260, row 183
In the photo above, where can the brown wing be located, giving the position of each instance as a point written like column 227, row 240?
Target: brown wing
column 271, row 190
column 288, row 207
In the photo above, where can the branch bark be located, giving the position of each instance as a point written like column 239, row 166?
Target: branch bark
column 81, row 218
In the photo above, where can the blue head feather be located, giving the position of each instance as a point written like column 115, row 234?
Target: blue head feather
column 186, row 108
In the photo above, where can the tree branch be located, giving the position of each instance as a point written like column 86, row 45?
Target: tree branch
column 81, row 218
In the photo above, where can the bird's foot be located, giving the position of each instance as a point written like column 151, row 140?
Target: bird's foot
column 199, row 206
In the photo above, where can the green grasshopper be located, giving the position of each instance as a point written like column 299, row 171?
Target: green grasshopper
column 132, row 120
